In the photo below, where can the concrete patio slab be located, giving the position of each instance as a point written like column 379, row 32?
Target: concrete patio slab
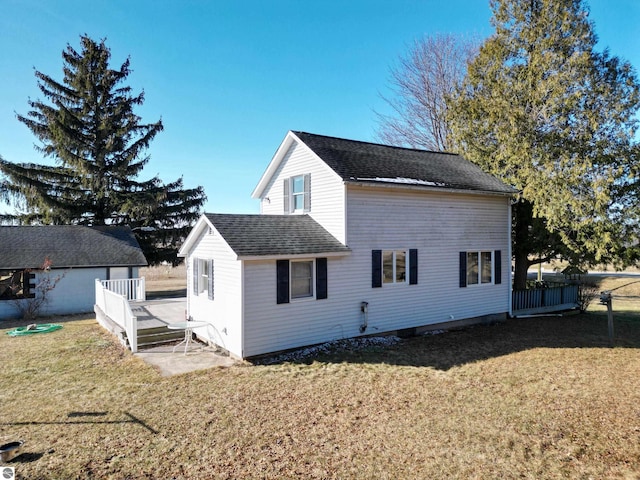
column 169, row 363
column 165, row 311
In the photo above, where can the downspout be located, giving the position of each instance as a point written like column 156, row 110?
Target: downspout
column 242, row 283
column 187, row 261
column 510, row 276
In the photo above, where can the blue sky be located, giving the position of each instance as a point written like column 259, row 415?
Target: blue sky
column 230, row 78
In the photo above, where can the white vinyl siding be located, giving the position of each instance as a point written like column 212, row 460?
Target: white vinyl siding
column 224, row 312
column 326, row 190
column 438, row 226
column 74, row 293
column 271, row 327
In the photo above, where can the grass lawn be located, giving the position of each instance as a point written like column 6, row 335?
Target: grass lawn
column 529, row 398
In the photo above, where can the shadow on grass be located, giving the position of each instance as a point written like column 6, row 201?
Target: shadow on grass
column 89, row 420
column 472, row 344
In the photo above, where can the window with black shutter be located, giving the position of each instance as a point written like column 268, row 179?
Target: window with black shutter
column 480, row 268
column 394, row 267
column 295, row 280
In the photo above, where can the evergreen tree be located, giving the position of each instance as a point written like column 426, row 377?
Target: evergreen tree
column 546, row 112
column 88, row 126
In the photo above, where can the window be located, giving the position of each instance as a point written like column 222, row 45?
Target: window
column 16, row 284
column 392, row 266
column 297, row 194
column 297, row 279
column 480, row 268
column 203, row 277
column 301, row 279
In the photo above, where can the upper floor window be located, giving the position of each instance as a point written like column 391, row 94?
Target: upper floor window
column 297, row 194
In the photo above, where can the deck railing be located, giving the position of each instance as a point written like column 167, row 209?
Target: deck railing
column 543, row 300
column 133, row 289
column 117, row 308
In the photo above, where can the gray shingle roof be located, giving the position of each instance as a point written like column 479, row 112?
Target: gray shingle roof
column 356, row 161
column 68, row 246
column 272, row 235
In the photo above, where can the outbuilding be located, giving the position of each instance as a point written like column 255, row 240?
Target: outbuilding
column 32, row 257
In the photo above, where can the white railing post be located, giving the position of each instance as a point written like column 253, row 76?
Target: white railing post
column 143, row 289
column 131, row 288
column 117, row 308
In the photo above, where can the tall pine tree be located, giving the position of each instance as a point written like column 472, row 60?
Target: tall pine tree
column 88, row 126
column 550, row 115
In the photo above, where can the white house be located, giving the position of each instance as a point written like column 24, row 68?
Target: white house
column 353, row 239
column 77, row 254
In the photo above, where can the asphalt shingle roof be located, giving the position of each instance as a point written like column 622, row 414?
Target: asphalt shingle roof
column 357, row 161
column 271, row 235
column 68, row 246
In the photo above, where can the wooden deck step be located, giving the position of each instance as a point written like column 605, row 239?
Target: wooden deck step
column 169, row 336
column 155, row 336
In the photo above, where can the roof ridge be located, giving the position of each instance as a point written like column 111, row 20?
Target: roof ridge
column 378, row 144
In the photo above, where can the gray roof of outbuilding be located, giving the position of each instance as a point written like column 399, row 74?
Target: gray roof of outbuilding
column 68, row 246
column 274, row 235
column 374, row 163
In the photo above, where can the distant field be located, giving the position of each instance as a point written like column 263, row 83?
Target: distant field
column 165, row 280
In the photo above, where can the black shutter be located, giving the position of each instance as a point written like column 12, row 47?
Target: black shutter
column 195, row 276
column 497, row 260
column 413, row 266
column 282, row 281
column 210, row 280
column 285, row 190
column 29, row 284
column 321, row 278
column 463, row 269
column 376, row 268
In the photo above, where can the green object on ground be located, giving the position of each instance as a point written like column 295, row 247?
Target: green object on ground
column 30, row 329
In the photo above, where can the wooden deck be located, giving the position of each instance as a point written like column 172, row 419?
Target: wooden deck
column 159, row 313
column 153, row 316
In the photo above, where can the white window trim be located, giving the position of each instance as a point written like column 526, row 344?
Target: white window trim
column 203, row 279
column 406, row 266
column 293, row 299
column 493, row 266
column 305, row 194
column 293, row 195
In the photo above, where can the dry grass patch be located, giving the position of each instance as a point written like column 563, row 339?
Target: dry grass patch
column 535, row 398
column 165, row 280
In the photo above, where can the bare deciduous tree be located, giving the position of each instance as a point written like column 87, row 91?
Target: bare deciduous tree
column 29, row 306
column 420, row 84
